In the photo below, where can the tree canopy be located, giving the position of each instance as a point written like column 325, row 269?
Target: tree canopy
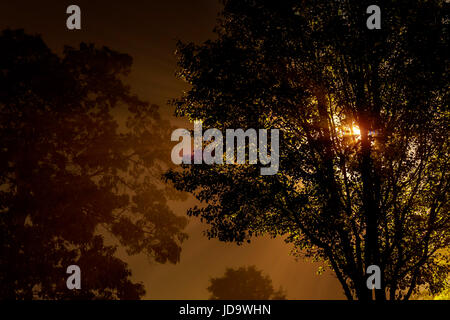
column 364, row 152
column 244, row 283
column 72, row 174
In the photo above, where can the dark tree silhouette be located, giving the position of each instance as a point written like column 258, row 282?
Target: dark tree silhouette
column 71, row 175
column 364, row 154
column 244, row 283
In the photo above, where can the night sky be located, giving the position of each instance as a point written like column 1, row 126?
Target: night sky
column 148, row 31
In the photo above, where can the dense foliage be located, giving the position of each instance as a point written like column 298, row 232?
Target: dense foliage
column 364, row 157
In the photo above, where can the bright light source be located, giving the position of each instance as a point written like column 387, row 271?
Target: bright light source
column 356, row 131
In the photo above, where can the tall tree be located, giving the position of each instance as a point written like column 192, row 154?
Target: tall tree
column 71, row 174
column 244, row 283
column 364, row 153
